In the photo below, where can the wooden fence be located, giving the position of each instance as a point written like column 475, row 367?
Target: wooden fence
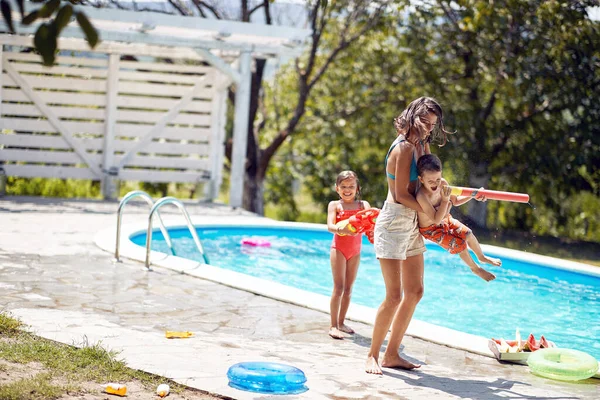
column 124, row 114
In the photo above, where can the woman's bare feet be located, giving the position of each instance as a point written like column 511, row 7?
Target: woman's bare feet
column 397, row 362
column 335, row 333
column 346, row 329
column 483, row 274
column 489, row 260
column 372, row 366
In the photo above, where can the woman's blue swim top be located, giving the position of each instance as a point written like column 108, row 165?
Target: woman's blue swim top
column 413, row 165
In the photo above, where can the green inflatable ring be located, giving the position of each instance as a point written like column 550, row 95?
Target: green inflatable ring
column 562, row 364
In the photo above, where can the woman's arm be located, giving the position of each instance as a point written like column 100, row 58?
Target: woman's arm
column 404, row 157
column 427, row 148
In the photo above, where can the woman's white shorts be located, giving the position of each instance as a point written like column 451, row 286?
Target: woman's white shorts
column 397, row 233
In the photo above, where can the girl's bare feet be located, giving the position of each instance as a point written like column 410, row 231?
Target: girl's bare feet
column 397, row 362
column 489, row 260
column 346, row 329
column 483, row 274
column 372, row 366
column 335, row 333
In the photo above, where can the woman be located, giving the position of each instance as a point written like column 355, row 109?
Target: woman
column 398, row 243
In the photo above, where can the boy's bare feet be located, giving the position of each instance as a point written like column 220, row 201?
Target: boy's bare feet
column 335, row 333
column 346, row 329
column 372, row 366
column 489, row 260
column 483, row 274
column 395, row 361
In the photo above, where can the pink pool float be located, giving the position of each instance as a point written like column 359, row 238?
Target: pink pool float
column 256, row 242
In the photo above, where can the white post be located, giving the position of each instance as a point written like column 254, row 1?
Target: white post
column 240, row 130
column 110, row 185
column 217, row 140
column 1, row 74
column 2, row 172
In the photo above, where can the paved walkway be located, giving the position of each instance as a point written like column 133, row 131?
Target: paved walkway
column 65, row 288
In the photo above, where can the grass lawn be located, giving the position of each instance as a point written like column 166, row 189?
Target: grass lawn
column 34, row 368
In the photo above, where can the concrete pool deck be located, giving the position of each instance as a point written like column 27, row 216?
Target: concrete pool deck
column 57, row 281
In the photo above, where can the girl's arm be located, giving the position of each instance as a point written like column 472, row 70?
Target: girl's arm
column 366, row 204
column 331, row 226
column 331, row 211
column 402, row 172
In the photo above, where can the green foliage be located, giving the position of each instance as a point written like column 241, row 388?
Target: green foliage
column 52, row 187
column 46, row 36
column 517, row 82
column 579, row 218
column 81, row 188
column 37, row 387
column 9, row 325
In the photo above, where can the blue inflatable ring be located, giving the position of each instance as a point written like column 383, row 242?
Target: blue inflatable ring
column 562, row 364
column 267, row 377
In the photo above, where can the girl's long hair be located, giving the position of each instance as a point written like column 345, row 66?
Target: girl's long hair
column 407, row 120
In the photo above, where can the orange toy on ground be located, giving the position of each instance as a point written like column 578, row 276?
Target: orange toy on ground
column 116, row 389
column 178, row 335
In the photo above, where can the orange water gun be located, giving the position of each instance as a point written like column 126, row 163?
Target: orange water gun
column 490, row 194
column 362, row 222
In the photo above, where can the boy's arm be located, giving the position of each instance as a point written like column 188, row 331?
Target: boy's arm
column 459, row 201
column 429, row 210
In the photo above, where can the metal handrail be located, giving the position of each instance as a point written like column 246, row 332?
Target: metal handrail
column 172, row 200
column 145, row 196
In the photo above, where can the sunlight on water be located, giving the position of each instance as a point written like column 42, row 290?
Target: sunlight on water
column 561, row 305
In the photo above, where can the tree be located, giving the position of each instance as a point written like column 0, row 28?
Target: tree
column 47, row 33
column 349, row 19
column 519, row 79
column 517, row 85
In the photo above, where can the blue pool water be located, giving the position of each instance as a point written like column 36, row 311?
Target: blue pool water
column 563, row 306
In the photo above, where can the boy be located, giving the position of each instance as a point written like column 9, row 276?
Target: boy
column 436, row 223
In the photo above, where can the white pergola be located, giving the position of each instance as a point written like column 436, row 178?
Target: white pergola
column 228, row 46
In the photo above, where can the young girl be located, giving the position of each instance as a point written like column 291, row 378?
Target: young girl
column 345, row 250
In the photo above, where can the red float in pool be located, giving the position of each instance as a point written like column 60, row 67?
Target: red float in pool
column 256, row 242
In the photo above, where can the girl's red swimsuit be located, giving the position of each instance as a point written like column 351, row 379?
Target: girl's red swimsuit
column 349, row 246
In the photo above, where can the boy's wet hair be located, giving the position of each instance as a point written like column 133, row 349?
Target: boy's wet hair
column 342, row 176
column 428, row 163
column 419, row 108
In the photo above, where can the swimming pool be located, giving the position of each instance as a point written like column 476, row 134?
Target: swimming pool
column 562, row 305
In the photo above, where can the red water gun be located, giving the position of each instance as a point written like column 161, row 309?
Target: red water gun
column 362, row 222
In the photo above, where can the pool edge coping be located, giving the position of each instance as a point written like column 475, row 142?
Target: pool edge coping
column 106, row 240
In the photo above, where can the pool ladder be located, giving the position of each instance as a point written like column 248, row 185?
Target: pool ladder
column 154, row 209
